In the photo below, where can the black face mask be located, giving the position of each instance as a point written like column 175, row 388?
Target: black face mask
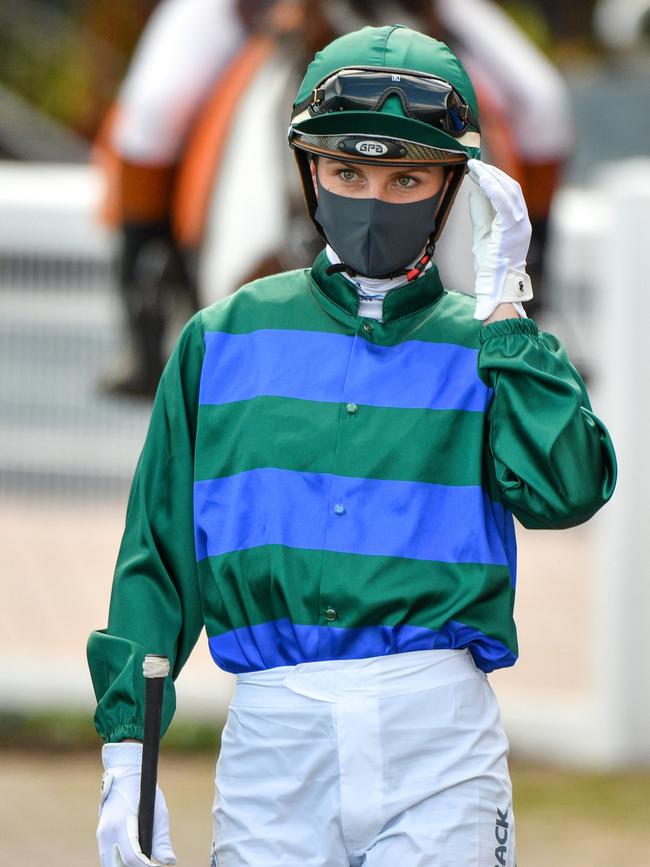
column 376, row 238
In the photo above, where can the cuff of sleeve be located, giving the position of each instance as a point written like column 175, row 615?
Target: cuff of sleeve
column 124, row 731
column 506, row 327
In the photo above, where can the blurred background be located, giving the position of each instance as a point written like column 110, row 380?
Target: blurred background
column 144, row 173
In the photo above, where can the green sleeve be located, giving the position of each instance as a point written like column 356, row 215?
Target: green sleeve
column 551, row 457
column 155, row 604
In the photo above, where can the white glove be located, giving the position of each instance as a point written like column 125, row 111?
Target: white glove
column 117, row 832
column 501, row 238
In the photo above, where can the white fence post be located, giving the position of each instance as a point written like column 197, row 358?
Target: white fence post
column 622, row 356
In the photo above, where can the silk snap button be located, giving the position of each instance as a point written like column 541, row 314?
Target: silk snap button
column 351, row 408
column 339, row 509
column 368, row 327
column 331, row 614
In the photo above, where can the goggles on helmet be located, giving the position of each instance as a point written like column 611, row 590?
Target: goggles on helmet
column 423, row 97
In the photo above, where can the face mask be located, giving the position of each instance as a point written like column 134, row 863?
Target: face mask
column 375, row 238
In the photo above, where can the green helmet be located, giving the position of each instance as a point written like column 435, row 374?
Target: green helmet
column 386, row 96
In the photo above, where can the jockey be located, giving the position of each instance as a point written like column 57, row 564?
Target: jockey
column 328, row 486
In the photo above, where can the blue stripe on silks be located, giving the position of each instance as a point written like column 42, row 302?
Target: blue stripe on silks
column 281, row 642
column 417, row 520
column 505, row 525
column 311, row 365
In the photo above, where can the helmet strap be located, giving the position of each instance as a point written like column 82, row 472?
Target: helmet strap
column 421, row 264
column 411, row 273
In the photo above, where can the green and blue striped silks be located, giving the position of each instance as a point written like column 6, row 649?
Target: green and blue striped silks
column 317, row 486
column 338, row 442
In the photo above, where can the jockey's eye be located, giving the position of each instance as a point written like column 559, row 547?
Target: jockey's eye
column 407, row 181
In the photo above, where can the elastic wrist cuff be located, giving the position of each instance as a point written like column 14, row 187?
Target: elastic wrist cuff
column 122, row 732
column 506, row 327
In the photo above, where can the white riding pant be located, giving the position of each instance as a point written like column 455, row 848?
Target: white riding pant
column 185, row 47
column 396, row 760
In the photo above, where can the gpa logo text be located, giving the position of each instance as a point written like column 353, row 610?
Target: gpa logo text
column 371, row 148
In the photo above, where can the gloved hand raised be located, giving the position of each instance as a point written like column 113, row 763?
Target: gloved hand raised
column 501, row 238
column 117, row 832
